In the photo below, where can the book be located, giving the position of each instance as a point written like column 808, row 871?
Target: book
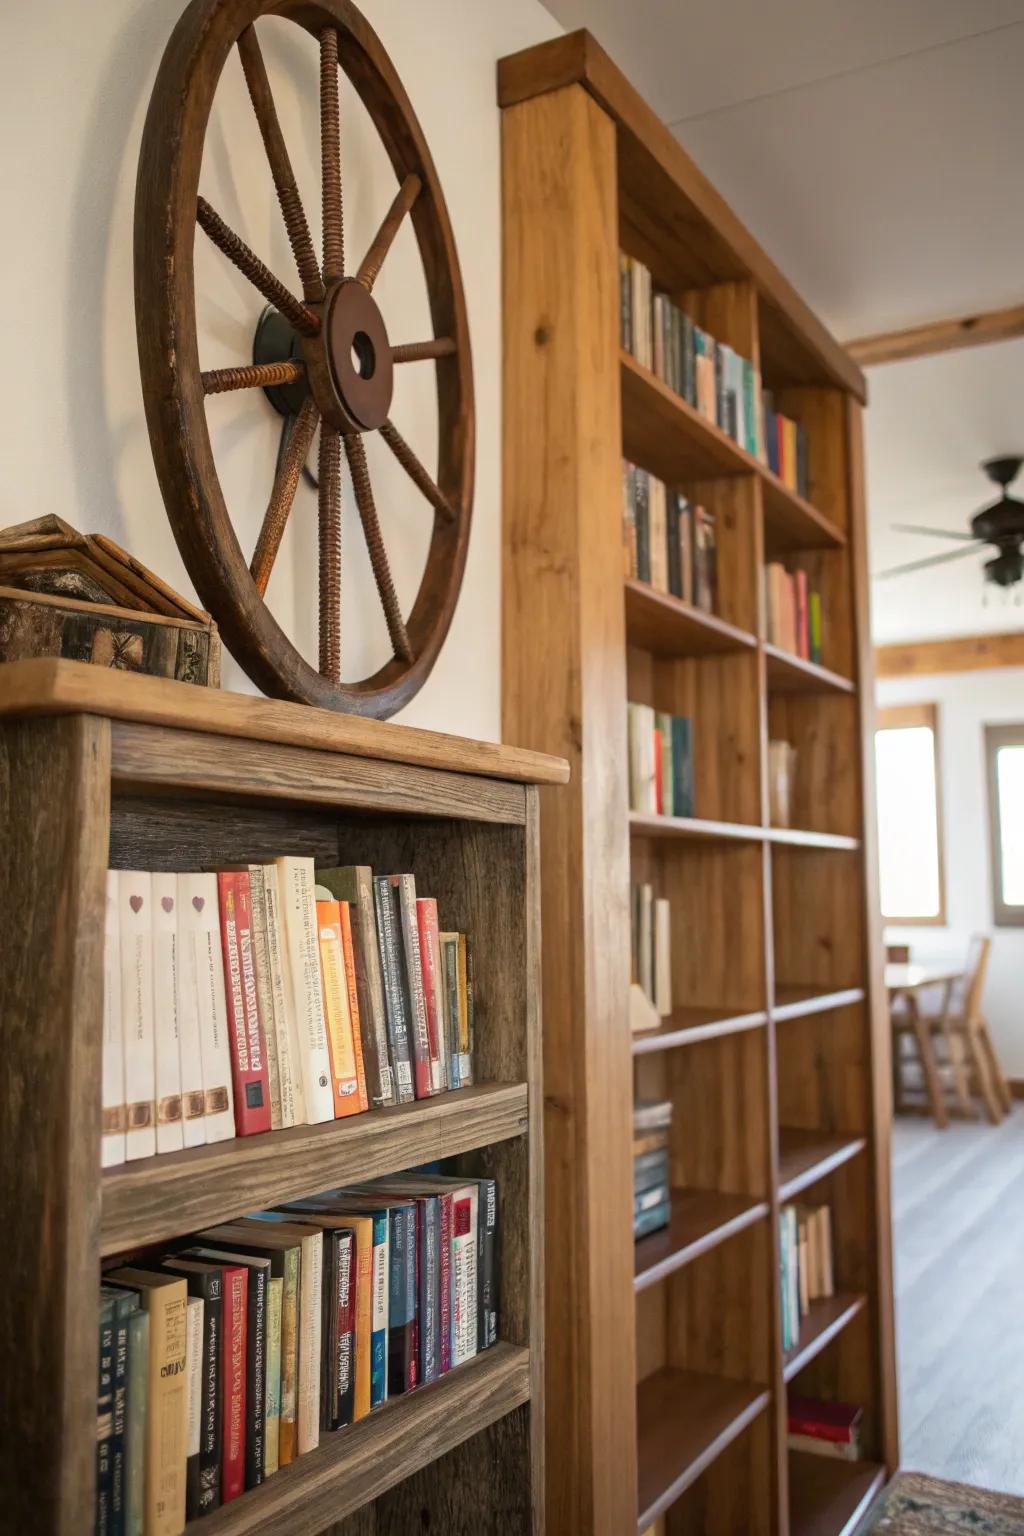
column 272, row 1423
column 396, row 1000
column 488, row 1271
column 104, row 1420
column 419, row 1038
column 169, row 1133
column 370, row 1374
column 824, row 1428
column 402, row 1299
column 652, row 1220
column 781, row 778
column 433, row 990
column 370, row 1226
column 343, row 1330
column 205, row 1284
column 433, row 1233
column 123, row 1305
column 225, row 1452
column 465, row 1322
column 135, row 1427
column 193, row 1398
column 257, row 1268
column 202, row 997
column 298, row 913
column 250, row 1082
column 190, row 1049
column 287, row 1226
column 467, row 1003
column 282, row 1005
column 112, row 1144
column 353, row 883
column 134, row 906
column 166, row 1301
column 449, row 947
column 265, row 988
column 348, row 1083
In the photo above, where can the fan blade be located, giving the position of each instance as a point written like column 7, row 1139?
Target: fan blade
column 935, row 533
column 921, row 565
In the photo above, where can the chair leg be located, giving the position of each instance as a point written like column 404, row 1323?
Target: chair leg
column 956, row 1056
column 1002, row 1087
column 936, row 1098
column 993, row 1107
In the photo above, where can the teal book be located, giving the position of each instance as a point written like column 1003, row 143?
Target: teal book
column 682, row 765
column 105, row 1421
column 135, row 1425
column 124, row 1304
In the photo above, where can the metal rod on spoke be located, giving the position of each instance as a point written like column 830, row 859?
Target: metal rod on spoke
column 330, row 158
column 218, row 381
column 250, row 266
column 355, row 451
column 418, row 351
column 283, row 494
column 330, row 553
column 416, row 472
column 374, row 258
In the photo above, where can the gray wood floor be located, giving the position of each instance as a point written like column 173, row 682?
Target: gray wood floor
column 958, row 1215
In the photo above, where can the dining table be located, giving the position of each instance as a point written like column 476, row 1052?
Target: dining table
column 904, row 981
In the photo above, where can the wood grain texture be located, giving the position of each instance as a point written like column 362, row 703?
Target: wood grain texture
column 701, row 1219
column 664, row 625
column 704, row 239
column 356, row 1465
column 54, row 777
column 564, row 681
column 963, row 653
column 49, row 687
column 938, row 336
column 685, row 1419
column 148, row 758
column 830, row 1496
column 157, row 1198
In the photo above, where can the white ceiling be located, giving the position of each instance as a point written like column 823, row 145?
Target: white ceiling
column 874, row 150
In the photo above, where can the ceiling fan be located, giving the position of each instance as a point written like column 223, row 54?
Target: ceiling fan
column 1000, row 525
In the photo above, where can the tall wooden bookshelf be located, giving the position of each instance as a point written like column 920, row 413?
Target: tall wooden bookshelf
column 101, row 767
column 665, row 1369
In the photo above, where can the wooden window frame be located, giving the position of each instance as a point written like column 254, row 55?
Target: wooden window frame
column 997, row 736
column 899, row 717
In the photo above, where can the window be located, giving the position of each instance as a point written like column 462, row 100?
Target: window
column 909, row 815
column 1004, row 756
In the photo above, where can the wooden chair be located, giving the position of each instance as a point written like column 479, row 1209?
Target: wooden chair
column 959, row 1029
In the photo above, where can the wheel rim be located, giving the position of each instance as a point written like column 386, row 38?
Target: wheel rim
column 168, row 208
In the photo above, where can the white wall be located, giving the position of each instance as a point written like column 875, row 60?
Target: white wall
column 967, row 702
column 74, row 82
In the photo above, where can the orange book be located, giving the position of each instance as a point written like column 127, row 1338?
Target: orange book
column 349, row 956
column 349, row 1094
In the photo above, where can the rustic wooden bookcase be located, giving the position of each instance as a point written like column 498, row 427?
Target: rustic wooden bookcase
column 99, row 766
column 776, row 1057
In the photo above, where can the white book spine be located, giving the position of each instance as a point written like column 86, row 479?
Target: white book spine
column 199, row 913
column 298, row 907
column 379, row 1287
column 135, row 900
column 293, row 1110
column 310, row 1282
column 113, row 1035
column 193, row 1102
column 264, row 989
column 272, row 1428
column 194, row 1377
column 464, row 1281
column 169, row 1134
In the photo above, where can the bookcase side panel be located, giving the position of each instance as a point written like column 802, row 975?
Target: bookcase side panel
column 54, row 805
column 564, row 685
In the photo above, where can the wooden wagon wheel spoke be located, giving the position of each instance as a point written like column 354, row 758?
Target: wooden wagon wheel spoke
column 330, row 552
column 217, row 381
column 374, row 258
column 280, row 166
column 414, row 469
column 355, row 451
column 330, row 158
column 250, row 266
column 283, row 494
column 416, row 351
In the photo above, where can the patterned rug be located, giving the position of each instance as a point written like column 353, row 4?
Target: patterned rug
column 914, row 1505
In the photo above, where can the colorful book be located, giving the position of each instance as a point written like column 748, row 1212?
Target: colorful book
column 433, row 989
column 353, row 883
column 404, row 887
column 396, row 1000
column 250, row 1081
column 348, row 1083
column 298, row 911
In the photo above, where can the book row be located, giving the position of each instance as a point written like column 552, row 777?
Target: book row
column 226, row 1357
column 652, row 1197
column 273, row 995
column 824, row 1428
column 805, row 1260
column 667, row 541
column 792, row 612
column 651, row 947
column 709, row 375
column 660, row 761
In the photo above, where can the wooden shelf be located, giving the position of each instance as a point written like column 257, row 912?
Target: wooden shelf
column 689, row 1026
column 827, row 1496
column 797, row 1002
column 825, row 1319
column 665, row 434
column 787, row 673
column 701, row 1219
column 353, row 1466
column 160, row 1197
column 642, row 824
column 684, row 1420
column 666, row 626
column 807, row 1156
column 800, row 837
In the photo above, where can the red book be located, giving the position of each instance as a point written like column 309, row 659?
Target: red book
column 232, row 1379
column 245, row 1027
column 433, row 985
column 445, row 1268
column 823, row 1421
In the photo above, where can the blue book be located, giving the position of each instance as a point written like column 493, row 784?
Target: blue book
column 682, row 765
column 651, row 1221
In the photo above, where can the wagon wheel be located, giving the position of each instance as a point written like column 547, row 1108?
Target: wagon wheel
column 330, row 346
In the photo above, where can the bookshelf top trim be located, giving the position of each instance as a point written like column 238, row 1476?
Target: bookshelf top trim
column 646, row 142
column 53, row 686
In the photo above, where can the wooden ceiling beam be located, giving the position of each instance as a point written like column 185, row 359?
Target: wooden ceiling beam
column 938, row 336
column 962, row 653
